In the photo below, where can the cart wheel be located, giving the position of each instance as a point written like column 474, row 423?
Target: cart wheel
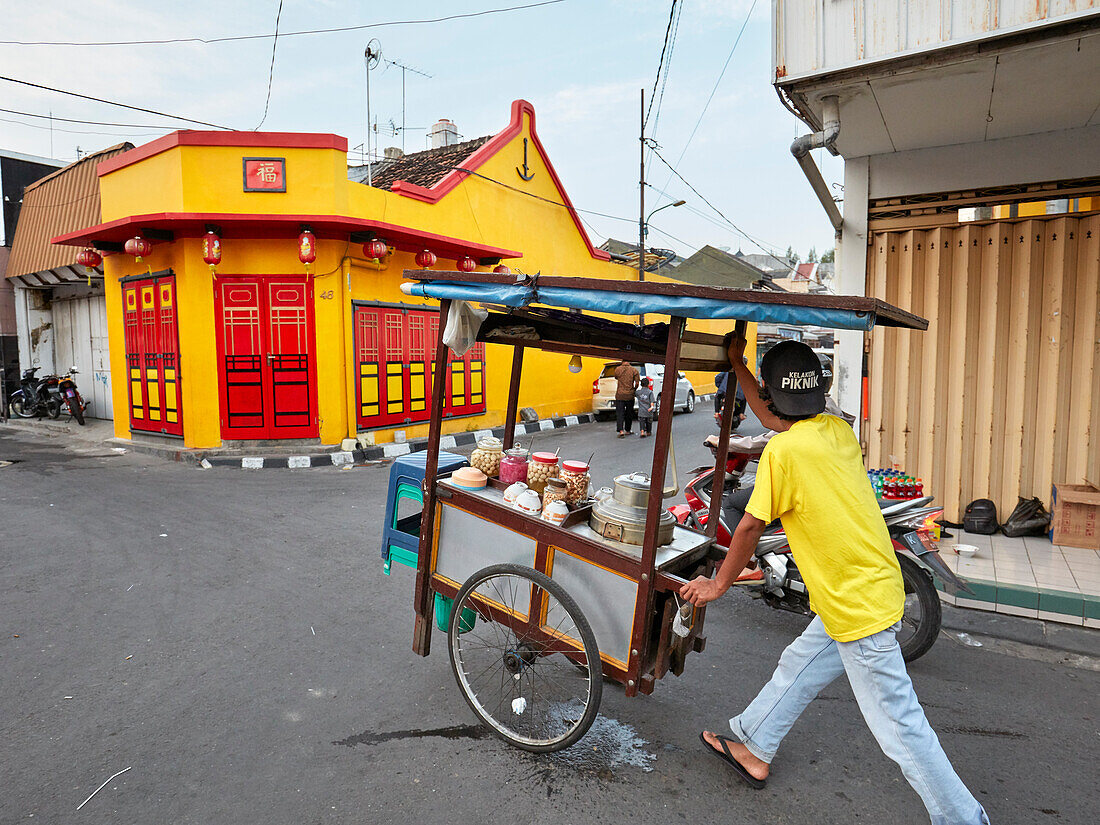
column 537, row 686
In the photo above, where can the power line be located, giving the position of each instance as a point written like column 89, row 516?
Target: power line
column 85, row 122
column 110, row 102
column 284, row 34
column 716, row 84
column 77, row 131
column 660, row 63
column 271, row 71
column 718, row 211
column 668, row 69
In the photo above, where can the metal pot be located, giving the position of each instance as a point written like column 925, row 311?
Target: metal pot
column 622, row 517
column 632, row 489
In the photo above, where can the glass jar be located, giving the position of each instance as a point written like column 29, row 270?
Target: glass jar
column 541, row 467
column 555, row 490
column 513, row 465
column 576, row 477
column 487, row 455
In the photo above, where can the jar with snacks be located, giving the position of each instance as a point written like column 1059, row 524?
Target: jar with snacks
column 555, row 490
column 486, row 457
column 541, row 467
column 513, row 465
column 576, row 477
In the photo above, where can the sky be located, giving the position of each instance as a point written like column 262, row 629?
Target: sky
column 581, row 63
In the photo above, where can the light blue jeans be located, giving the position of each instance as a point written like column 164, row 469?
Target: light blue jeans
column 876, row 671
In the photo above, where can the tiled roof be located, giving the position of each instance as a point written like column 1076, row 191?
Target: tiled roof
column 425, row 168
column 62, row 201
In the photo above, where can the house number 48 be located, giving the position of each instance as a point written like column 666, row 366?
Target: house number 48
column 326, row 295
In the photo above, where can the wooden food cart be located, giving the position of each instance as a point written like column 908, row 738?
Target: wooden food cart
column 541, row 611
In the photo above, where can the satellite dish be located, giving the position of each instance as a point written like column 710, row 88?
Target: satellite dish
column 373, row 53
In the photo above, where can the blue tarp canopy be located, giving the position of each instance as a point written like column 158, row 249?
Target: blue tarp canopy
column 693, row 302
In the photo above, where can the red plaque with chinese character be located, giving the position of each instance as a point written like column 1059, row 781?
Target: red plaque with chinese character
column 265, row 174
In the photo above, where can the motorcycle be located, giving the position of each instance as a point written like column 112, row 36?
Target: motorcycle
column 48, row 395
column 68, row 396
column 774, row 577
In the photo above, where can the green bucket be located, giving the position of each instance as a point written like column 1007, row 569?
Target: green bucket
column 443, row 615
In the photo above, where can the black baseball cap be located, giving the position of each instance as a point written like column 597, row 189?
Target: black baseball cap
column 792, row 373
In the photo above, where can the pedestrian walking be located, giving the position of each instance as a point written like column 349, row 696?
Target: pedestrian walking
column 628, row 379
column 720, row 381
column 811, row 477
column 647, row 407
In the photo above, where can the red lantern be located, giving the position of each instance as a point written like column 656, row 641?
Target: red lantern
column 211, row 250
column 375, row 249
column 138, row 247
column 467, row 264
column 89, row 257
column 424, row 259
column 307, row 248
column 501, row 269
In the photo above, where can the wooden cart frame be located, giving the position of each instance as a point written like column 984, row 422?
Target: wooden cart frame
column 653, row 649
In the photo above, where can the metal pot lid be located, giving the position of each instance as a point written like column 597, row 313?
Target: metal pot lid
column 615, row 511
column 633, row 481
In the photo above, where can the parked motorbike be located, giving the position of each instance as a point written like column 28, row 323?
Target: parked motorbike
column 67, row 396
column 776, row 579
column 48, row 395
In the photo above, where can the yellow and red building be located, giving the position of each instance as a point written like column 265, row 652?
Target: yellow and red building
column 258, row 344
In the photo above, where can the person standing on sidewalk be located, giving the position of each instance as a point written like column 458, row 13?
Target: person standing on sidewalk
column 647, row 407
column 627, row 378
column 811, row 477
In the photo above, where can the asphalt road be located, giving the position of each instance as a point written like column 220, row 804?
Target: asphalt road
column 230, row 637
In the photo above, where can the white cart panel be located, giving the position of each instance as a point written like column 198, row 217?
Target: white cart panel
column 468, row 543
column 606, row 599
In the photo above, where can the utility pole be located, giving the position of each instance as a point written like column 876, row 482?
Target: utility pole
column 641, row 194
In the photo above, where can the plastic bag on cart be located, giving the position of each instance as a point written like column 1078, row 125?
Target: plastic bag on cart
column 463, row 322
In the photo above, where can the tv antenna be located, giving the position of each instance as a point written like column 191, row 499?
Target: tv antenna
column 404, row 68
column 371, row 56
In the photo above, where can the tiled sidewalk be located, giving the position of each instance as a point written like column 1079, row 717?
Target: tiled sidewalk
column 1028, row 577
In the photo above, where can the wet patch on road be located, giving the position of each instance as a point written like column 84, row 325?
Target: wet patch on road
column 453, row 732
column 609, row 746
column 969, row 731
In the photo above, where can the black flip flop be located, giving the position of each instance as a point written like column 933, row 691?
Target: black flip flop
column 726, row 756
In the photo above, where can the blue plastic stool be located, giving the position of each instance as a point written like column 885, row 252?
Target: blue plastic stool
column 401, row 537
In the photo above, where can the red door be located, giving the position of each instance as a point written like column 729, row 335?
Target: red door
column 152, row 354
column 266, row 349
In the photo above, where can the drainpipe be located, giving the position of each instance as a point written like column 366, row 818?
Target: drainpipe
column 800, row 148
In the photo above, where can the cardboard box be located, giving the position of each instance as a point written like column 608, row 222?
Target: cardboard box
column 1075, row 515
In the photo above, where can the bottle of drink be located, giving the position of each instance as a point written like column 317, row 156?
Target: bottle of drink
column 920, row 488
column 891, row 487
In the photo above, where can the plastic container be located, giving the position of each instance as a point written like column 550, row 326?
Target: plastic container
column 576, row 476
column 556, row 489
column 468, row 478
column 541, row 467
column 513, row 465
column 487, row 455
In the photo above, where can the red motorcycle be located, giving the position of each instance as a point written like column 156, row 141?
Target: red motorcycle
column 773, row 575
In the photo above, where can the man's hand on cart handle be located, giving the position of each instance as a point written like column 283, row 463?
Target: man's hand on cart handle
column 702, row 589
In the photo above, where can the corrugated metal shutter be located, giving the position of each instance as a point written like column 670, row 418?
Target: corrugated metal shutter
column 1001, row 396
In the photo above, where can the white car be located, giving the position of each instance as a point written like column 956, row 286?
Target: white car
column 603, row 388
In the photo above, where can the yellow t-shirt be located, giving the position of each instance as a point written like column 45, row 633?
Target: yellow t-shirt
column 812, row 478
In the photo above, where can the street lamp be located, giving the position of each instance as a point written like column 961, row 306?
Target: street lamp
column 643, row 230
column 645, row 226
